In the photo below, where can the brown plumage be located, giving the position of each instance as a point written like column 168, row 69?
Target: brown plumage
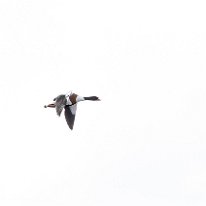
column 73, row 98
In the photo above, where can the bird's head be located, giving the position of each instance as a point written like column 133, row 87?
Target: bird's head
column 95, row 98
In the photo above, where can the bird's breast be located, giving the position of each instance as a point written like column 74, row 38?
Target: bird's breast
column 72, row 99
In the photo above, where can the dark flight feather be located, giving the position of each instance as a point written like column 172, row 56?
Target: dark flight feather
column 69, row 117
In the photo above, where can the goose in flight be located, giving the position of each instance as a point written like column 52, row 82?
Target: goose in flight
column 68, row 102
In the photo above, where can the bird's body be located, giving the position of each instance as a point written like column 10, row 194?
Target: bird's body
column 68, row 102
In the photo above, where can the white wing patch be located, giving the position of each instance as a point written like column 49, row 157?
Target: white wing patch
column 68, row 93
column 73, row 109
column 68, row 101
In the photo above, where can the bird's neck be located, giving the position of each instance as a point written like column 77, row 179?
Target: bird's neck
column 89, row 98
column 80, row 98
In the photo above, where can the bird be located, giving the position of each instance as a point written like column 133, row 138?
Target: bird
column 68, row 102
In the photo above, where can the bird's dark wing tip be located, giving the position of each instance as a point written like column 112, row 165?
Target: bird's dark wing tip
column 69, row 117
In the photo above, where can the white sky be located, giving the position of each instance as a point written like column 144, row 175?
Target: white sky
column 144, row 143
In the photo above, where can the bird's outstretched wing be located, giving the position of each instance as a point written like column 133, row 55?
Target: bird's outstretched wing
column 60, row 103
column 70, row 112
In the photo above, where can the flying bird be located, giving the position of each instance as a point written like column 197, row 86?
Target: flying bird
column 68, row 102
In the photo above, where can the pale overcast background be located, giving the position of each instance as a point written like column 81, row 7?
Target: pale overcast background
column 144, row 143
